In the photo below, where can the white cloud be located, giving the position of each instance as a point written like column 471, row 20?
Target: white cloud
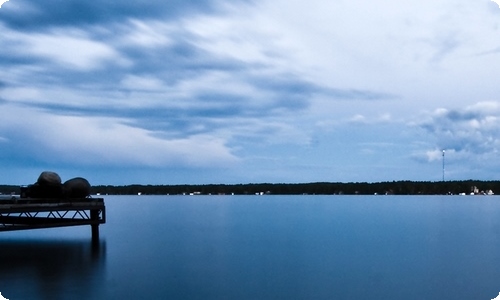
column 436, row 154
column 409, row 48
column 142, row 83
column 471, row 133
column 232, row 35
column 68, row 48
column 107, row 141
column 371, row 120
column 358, row 119
column 72, row 50
column 147, row 34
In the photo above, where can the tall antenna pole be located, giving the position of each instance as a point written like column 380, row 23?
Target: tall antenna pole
column 443, row 165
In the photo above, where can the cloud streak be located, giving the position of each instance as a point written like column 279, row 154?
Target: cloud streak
column 106, row 141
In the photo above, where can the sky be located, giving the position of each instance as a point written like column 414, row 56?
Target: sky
column 249, row 91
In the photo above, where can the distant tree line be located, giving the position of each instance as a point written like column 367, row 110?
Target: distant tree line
column 10, row 189
column 317, row 188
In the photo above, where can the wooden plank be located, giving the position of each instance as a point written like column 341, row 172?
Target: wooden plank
column 45, row 221
column 48, row 209
column 41, row 226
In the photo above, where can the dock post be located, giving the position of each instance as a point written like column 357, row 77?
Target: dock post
column 94, row 217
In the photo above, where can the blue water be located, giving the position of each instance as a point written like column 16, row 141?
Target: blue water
column 265, row 247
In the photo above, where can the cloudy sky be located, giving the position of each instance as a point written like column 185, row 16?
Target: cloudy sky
column 249, row 91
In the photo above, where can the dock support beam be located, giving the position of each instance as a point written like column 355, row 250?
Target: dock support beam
column 94, row 217
column 95, row 233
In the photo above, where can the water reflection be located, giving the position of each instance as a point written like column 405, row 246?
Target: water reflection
column 52, row 269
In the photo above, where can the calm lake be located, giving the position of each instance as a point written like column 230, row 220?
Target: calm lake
column 265, row 247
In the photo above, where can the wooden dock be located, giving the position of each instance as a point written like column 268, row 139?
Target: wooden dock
column 33, row 213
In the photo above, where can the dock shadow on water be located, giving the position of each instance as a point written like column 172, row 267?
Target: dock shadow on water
column 51, row 268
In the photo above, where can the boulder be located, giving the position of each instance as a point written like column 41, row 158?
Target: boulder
column 49, row 178
column 48, row 185
column 44, row 191
column 77, row 187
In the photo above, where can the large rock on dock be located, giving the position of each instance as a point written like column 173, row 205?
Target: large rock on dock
column 49, row 178
column 77, row 187
column 48, row 185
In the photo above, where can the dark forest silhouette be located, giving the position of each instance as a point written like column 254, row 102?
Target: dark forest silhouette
column 316, row 188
